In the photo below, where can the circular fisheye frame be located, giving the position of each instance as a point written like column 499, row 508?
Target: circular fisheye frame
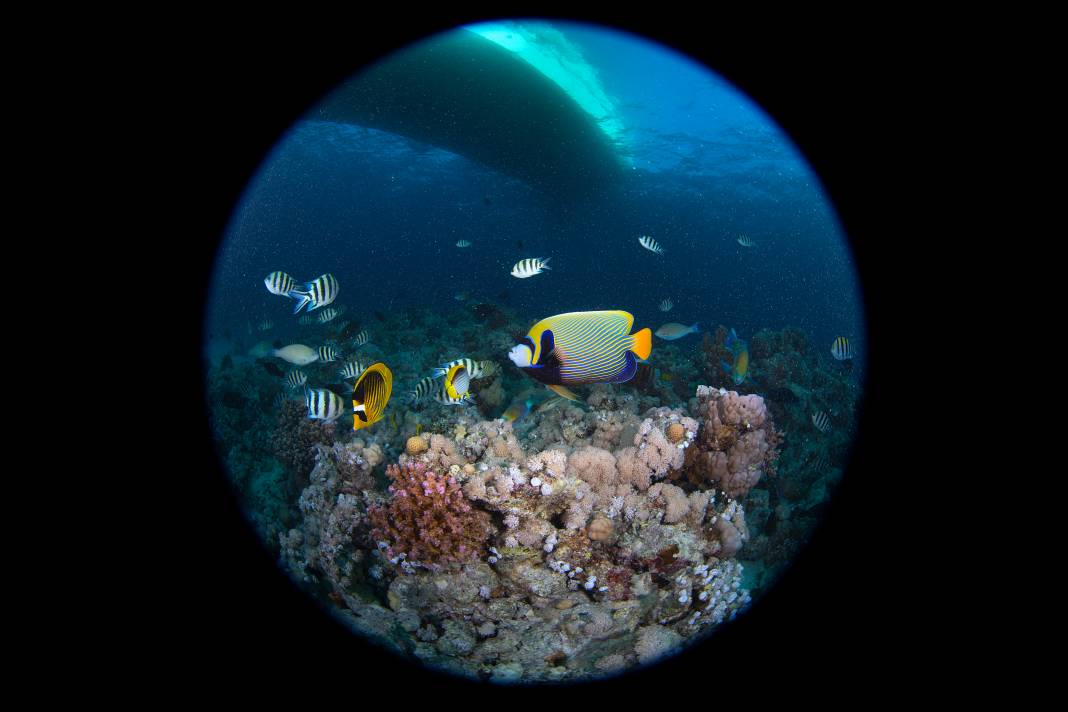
column 533, row 352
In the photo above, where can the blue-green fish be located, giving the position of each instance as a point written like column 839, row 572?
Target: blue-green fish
column 674, row 330
column 740, row 370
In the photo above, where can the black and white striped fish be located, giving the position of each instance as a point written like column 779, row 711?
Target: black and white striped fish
column 352, row 369
column 306, row 319
column 650, row 244
column 666, row 305
column 424, row 387
column 475, row 368
column 530, row 267
column 361, row 338
column 821, row 421
column 279, row 400
column 279, row 283
column 266, row 325
column 441, row 395
column 317, row 293
column 323, row 404
column 463, row 243
column 328, row 353
column 296, row 378
column 841, row 349
column 745, row 241
column 327, row 314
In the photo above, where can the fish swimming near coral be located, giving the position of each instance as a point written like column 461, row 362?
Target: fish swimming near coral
column 279, row 283
column 297, row 354
column 457, row 383
column 666, row 305
column 841, row 349
column 530, row 267
column 739, row 371
column 296, row 378
column 328, row 354
column 650, row 244
column 424, row 387
column 821, row 421
column 745, row 241
column 445, row 397
column 582, row 347
column 361, row 338
column 323, row 404
column 518, row 410
column 328, row 314
column 674, row 330
column 475, row 369
column 370, row 394
column 352, row 369
column 317, row 293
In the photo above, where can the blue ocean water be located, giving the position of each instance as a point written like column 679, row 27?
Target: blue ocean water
column 699, row 166
column 705, row 165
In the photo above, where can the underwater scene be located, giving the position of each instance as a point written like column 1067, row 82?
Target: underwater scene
column 534, row 353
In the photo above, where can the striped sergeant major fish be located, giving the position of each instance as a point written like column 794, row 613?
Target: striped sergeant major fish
column 422, row 389
column 650, row 244
column 476, row 369
column 323, row 404
column 279, row 283
column 530, row 267
column 266, row 325
column 745, row 241
column 306, row 319
column 361, row 338
column 666, row 305
column 317, row 293
column 463, row 243
column 821, row 421
column 328, row 353
column 370, row 394
column 442, row 395
column 296, row 378
column 841, row 349
column 582, row 347
column 327, row 314
column 352, row 369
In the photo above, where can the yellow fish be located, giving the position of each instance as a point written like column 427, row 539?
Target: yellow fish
column 370, row 395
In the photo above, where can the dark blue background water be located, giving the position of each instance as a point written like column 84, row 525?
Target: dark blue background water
column 383, row 213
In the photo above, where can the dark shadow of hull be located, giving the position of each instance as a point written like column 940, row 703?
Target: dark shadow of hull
column 468, row 95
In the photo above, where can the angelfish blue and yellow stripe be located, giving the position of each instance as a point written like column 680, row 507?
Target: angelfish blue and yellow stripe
column 583, row 347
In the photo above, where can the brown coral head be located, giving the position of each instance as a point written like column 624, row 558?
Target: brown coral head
column 416, row 445
column 600, row 529
column 676, row 432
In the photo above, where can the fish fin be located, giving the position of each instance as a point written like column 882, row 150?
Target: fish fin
column 545, row 263
column 439, row 372
column 643, row 343
column 302, row 298
column 731, row 338
column 726, row 366
column 562, row 391
column 628, row 371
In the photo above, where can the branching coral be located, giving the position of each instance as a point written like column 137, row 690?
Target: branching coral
column 428, row 521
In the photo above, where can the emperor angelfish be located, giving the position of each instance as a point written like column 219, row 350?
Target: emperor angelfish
column 317, row 293
column 475, row 369
column 279, row 283
column 740, row 370
column 370, row 395
column 323, row 404
column 582, row 347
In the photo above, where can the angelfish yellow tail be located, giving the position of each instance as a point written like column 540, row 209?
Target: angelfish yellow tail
column 643, row 343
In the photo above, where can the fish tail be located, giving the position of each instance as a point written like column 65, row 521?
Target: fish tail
column 302, row 297
column 643, row 343
column 545, row 263
column 732, row 337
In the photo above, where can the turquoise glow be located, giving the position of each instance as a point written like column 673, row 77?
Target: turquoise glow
column 551, row 53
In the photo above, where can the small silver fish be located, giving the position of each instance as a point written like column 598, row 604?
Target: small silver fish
column 650, row 244
column 530, row 267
